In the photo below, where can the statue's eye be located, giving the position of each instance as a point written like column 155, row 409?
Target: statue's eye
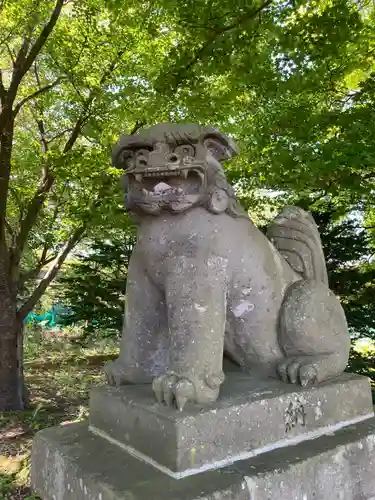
column 126, row 159
column 185, row 150
column 215, row 148
column 142, row 157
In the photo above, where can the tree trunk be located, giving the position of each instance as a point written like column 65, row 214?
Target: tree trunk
column 12, row 387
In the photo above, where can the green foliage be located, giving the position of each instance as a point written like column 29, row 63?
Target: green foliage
column 362, row 361
column 351, row 268
column 93, row 287
column 313, row 128
column 291, row 81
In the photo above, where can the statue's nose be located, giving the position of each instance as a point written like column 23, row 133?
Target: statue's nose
column 162, row 156
column 173, row 158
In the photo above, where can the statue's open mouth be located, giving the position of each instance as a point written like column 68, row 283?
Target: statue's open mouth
column 168, row 183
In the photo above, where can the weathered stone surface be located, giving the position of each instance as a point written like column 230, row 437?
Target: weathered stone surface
column 249, row 415
column 203, row 279
column 69, row 463
column 336, row 467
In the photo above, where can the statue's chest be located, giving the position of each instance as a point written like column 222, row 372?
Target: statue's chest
column 161, row 248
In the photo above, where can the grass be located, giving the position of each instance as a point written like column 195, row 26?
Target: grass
column 362, row 360
column 59, row 375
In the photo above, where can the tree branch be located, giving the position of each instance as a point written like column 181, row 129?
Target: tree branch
column 29, row 304
column 75, row 238
column 57, row 136
column 23, row 62
column 218, row 33
column 43, row 142
column 28, row 221
column 85, row 114
column 78, row 126
column 33, row 208
column 47, row 179
column 33, row 273
column 20, row 58
column 137, row 126
column 42, row 38
column 2, row 88
column 11, row 55
column 9, row 229
column 17, row 200
column 25, row 57
column 35, row 94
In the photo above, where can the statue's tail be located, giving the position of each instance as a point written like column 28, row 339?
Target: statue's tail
column 295, row 234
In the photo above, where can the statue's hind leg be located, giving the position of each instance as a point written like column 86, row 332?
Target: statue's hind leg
column 313, row 334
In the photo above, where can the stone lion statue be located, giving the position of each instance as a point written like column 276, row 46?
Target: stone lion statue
column 204, row 281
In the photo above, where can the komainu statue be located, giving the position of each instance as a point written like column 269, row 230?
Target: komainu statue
column 204, row 281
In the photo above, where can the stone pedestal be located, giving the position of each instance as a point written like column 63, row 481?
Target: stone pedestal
column 260, row 440
column 251, row 417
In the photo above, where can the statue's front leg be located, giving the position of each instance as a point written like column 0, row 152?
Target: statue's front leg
column 196, row 303
column 144, row 342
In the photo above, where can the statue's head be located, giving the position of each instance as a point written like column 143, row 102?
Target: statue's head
column 175, row 167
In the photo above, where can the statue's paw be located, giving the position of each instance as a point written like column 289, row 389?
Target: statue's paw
column 115, row 373
column 175, row 390
column 300, row 369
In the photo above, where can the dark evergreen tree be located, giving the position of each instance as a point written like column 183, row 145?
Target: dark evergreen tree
column 94, row 287
column 349, row 254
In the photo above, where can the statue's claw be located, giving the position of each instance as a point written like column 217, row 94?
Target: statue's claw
column 115, row 373
column 174, row 390
column 302, row 369
column 169, row 389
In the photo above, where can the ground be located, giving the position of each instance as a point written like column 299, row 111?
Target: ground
column 59, row 374
column 57, row 398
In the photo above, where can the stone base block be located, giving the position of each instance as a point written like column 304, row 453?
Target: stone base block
column 71, row 463
column 250, row 417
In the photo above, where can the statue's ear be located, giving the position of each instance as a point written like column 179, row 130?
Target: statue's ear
column 221, row 147
column 218, row 201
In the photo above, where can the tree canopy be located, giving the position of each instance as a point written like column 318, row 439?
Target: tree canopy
column 293, row 82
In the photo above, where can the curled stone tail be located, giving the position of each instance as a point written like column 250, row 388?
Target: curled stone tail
column 295, row 234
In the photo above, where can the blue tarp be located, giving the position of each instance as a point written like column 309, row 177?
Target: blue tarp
column 51, row 318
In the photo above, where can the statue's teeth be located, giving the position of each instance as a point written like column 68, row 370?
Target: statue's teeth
column 145, row 192
column 184, row 173
column 138, row 177
column 161, row 187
